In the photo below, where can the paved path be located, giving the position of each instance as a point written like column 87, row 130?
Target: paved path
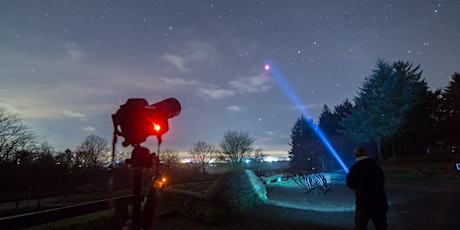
column 422, row 206
column 412, row 206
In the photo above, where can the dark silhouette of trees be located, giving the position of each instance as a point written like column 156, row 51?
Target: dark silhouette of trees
column 65, row 159
column 30, row 167
column 15, row 136
column 88, row 159
column 257, row 159
column 203, row 153
column 383, row 103
column 236, row 147
column 329, row 122
column 421, row 126
column 304, row 144
column 450, row 109
column 308, row 152
column 169, row 158
column 91, row 150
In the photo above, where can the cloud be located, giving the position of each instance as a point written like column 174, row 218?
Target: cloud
column 254, row 84
column 75, row 55
column 73, row 51
column 89, row 129
column 177, row 61
column 234, row 108
column 194, row 53
column 59, row 87
column 270, row 138
column 215, row 93
column 69, row 113
column 179, row 81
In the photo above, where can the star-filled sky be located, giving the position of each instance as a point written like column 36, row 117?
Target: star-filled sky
column 66, row 66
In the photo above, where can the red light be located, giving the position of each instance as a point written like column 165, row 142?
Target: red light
column 157, row 127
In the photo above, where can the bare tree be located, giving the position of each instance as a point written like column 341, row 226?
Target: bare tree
column 203, row 153
column 45, row 155
column 170, row 158
column 91, row 150
column 65, row 159
column 15, row 135
column 259, row 155
column 258, row 159
column 236, row 147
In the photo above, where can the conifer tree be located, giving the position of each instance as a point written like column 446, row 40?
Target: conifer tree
column 451, row 109
column 303, row 144
column 383, row 102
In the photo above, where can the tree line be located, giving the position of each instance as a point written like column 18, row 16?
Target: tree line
column 30, row 166
column 394, row 113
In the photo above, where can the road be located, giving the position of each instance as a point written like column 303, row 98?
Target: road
column 412, row 206
column 424, row 206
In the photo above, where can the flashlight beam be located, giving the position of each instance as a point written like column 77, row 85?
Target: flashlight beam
column 295, row 100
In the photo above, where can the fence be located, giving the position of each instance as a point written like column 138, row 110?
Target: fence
column 41, row 217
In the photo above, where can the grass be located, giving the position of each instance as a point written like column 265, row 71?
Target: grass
column 108, row 220
column 98, row 220
column 84, row 197
column 422, row 177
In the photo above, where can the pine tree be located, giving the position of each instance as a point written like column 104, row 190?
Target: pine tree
column 421, row 126
column 329, row 122
column 383, row 103
column 451, row 109
column 303, row 145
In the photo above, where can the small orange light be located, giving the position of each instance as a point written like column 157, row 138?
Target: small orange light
column 157, row 127
column 164, row 179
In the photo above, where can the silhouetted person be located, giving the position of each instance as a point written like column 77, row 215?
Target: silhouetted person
column 366, row 178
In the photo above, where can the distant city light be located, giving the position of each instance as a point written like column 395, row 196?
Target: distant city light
column 247, row 161
column 186, row 160
column 271, row 159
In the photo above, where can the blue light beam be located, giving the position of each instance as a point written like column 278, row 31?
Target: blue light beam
column 295, row 100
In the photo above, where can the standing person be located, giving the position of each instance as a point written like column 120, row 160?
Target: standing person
column 366, row 178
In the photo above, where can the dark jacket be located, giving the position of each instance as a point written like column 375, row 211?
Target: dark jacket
column 366, row 178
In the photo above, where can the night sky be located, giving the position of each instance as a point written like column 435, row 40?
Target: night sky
column 66, row 66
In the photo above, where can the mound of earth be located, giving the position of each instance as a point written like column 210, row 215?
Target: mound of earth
column 237, row 190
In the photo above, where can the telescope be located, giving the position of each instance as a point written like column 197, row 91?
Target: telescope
column 136, row 119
